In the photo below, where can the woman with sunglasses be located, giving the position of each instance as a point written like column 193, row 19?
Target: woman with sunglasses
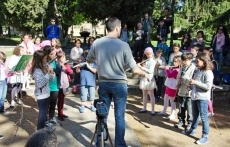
column 220, row 44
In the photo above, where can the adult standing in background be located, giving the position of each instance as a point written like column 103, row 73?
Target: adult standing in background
column 167, row 19
column 111, row 54
column 148, row 24
column 124, row 36
column 53, row 30
column 220, row 43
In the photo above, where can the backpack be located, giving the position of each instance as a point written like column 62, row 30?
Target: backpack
column 226, row 79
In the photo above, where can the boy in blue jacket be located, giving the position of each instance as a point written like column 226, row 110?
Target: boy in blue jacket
column 52, row 31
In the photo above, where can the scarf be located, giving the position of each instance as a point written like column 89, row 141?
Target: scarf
column 220, row 39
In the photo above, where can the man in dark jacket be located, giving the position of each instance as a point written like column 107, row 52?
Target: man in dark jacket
column 167, row 19
column 52, row 31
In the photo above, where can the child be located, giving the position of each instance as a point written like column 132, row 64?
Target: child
column 37, row 43
column 53, row 84
column 76, row 56
column 27, row 44
column 3, row 84
column 90, row 42
column 185, row 42
column 56, row 44
column 17, row 79
column 171, row 87
column 208, row 51
column 201, row 91
column 199, row 39
column 145, row 86
column 162, row 30
column 88, row 84
column 159, row 73
column 176, row 52
column 41, row 74
column 165, row 49
column 184, row 92
column 195, row 50
column 64, row 84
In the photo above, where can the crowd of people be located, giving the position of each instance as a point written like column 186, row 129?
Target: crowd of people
column 187, row 71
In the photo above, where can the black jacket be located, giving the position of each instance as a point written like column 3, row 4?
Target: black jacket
column 162, row 31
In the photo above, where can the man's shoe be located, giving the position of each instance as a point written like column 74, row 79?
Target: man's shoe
column 54, row 121
column 203, row 140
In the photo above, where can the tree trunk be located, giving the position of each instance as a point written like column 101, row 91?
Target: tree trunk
column 65, row 29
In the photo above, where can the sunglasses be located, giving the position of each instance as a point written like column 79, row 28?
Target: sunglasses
column 52, row 21
column 220, row 28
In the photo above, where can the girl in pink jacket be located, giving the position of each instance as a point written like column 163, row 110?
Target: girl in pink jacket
column 171, row 83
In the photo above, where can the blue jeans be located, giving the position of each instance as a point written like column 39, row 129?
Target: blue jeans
column 87, row 90
column 42, row 112
column 3, row 91
column 218, row 56
column 200, row 107
column 118, row 92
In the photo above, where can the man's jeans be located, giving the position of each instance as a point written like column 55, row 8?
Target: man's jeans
column 218, row 56
column 118, row 92
column 200, row 107
column 3, row 91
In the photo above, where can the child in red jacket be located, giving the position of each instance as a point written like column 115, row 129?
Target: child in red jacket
column 64, row 82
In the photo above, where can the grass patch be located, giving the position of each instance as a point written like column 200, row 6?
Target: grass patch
column 9, row 42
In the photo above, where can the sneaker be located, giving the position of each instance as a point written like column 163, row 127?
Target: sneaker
column 19, row 102
column 179, row 124
column 162, row 113
column 12, row 107
column 189, row 132
column 54, row 121
column 1, row 136
column 171, row 117
column 189, row 126
column 92, row 108
column 82, row 109
column 48, row 126
column 203, row 140
column 210, row 114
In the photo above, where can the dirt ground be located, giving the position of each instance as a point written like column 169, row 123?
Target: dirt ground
column 157, row 131
column 152, row 131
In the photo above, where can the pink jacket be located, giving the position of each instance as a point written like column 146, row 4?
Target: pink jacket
column 37, row 47
column 171, row 75
column 29, row 48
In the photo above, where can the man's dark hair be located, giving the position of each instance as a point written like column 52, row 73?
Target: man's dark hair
column 112, row 23
column 42, row 138
column 186, row 56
